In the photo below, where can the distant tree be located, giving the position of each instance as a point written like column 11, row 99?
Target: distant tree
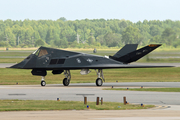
column 168, row 36
column 39, row 42
column 57, row 43
column 112, row 39
column 156, row 39
column 123, row 24
column 10, row 37
column 63, row 43
column 101, row 40
column 3, row 44
column 131, row 35
column 155, row 30
column 74, row 44
column 176, row 43
column 91, row 40
column 49, row 36
column 63, row 19
column 92, row 32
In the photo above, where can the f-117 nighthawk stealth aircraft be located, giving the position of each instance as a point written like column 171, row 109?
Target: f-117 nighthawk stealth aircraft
column 60, row 61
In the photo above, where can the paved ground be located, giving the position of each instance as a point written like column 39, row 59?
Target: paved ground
column 169, row 103
column 159, row 64
column 77, row 91
column 4, row 65
column 163, row 114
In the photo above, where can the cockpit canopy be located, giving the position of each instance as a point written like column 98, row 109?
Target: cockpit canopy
column 40, row 52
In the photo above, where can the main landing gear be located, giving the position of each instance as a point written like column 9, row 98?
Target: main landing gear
column 99, row 81
column 67, row 78
column 43, row 83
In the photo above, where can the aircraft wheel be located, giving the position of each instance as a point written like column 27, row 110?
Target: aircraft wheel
column 43, row 83
column 65, row 82
column 99, row 82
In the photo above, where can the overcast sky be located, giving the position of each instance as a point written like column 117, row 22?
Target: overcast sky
column 133, row 10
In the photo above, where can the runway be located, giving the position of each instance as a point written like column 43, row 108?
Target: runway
column 76, row 92
column 168, row 102
column 4, row 65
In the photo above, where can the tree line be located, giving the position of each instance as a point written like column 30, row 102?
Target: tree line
column 87, row 33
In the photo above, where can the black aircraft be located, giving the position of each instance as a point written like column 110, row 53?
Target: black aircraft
column 60, row 61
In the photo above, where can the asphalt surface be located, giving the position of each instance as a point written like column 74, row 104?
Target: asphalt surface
column 4, row 65
column 76, row 92
column 150, row 114
column 168, row 103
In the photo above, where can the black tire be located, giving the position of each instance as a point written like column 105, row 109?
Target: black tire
column 65, row 82
column 43, row 83
column 99, row 82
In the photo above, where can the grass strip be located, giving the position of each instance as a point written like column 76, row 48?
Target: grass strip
column 37, row 105
column 147, row 89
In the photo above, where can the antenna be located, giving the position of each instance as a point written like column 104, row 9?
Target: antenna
column 18, row 41
column 78, row 38
column 32, row 41
column 6, row 38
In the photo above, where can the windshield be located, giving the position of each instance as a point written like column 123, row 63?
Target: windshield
column 40, row 52
column 35, row 51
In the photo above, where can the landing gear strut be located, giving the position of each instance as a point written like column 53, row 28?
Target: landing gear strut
column 43, row 83
column 100, row 75
column 67, row 78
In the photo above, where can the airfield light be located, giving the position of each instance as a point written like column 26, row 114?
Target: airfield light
column 124, row 99
column 97, row 101
column 58, row 99
column 85, row 100
column 101, row 100
column 142, row 105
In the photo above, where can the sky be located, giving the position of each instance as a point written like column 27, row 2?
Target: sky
column 133, row 10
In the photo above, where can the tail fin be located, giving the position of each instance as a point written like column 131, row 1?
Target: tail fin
column 128, row 48
column 134, row 55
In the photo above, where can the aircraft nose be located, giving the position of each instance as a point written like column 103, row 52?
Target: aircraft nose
column 19, row 65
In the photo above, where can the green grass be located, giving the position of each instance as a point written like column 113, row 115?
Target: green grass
column 24, row 77
column 36, row 105
column 147, row 89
